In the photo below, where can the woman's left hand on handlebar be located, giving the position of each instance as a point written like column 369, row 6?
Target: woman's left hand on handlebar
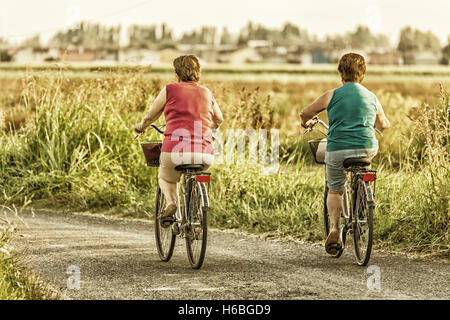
column 310, row 123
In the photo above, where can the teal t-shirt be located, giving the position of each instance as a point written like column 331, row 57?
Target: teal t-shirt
column 351, row 115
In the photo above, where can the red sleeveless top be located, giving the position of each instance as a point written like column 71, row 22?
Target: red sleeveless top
column 188, row 112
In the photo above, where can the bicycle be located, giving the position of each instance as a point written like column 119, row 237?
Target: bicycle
column 358, row 199
column 190, row 220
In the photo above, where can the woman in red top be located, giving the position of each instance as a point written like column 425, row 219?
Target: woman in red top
column 191, row 112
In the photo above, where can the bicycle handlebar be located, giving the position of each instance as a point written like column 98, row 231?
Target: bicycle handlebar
column 314, row 121
column 154, row 127
column 158, row 128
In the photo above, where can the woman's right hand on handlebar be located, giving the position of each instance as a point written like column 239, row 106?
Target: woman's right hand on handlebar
column 139, row 128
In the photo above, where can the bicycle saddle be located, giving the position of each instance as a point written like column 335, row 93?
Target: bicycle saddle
column 186, row 167
column 356, row 162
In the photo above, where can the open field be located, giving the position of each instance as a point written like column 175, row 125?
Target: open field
column 242, row 69
column 66, row 142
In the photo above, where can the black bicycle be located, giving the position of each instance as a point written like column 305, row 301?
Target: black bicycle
column 192, row 206
column 358, row 199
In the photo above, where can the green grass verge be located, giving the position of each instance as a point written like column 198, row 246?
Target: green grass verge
column 18, row 282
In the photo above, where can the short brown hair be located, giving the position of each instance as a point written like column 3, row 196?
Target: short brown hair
column 187, row 68
column 352, row 67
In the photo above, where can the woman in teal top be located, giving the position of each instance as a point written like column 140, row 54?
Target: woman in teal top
column 353, row 112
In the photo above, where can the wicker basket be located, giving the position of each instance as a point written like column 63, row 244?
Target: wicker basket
column 318, row 148
column 152, row 151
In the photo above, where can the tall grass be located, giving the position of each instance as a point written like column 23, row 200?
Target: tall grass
column 76, row 149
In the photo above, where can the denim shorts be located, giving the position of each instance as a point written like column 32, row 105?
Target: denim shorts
column 334, row 161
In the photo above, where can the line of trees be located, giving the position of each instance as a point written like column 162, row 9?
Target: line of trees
column 148, row 36
column 96, row 36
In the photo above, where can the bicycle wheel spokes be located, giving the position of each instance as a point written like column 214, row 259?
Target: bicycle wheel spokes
column 197, row 227
column 165, row 239
column 363, row 226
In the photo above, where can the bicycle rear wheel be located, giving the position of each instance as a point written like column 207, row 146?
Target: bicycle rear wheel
column 197, row 225
column 363, row 223
column 165, row 238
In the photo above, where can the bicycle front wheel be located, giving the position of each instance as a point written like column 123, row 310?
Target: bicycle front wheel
column 363, row 223
column 165, row 238
column 197, row 225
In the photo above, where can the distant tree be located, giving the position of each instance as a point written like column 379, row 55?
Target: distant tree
column 446, row 53
column 361, row 38
column 141, row 36
column 407, row 40
column 190, row 37
column 416, row 40
column 382, row 41
column 89, row 36
column 431, row 42
column 337, row 42
column 226, row 37
column 411, row 40
column 293, row 35
column 247, row 33
column 4, row 55
column 206, row 35
column 166, row 33
column 290, row 34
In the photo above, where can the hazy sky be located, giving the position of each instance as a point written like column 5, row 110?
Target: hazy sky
column 20, row 18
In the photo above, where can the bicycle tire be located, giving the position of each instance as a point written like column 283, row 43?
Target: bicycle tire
column 363, row 218
column 197, row 214
column 326, row 221
column 165, row 238
column 326, row 218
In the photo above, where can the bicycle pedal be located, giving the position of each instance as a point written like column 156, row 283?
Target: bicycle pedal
column 175, row 229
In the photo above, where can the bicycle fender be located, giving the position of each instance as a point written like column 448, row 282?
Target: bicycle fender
column 204, row 196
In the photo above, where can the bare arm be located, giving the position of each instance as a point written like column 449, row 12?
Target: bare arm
column 217, row 116
column 381, row 121
column 153, row 113
column 320, row 104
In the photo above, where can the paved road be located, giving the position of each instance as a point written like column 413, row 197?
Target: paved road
column 117, row 259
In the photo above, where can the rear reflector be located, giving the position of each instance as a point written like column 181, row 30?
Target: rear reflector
column 203, row 178
column 369, row 177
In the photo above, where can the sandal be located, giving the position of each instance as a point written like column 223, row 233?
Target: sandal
column 332, row 247
column 167, row 217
